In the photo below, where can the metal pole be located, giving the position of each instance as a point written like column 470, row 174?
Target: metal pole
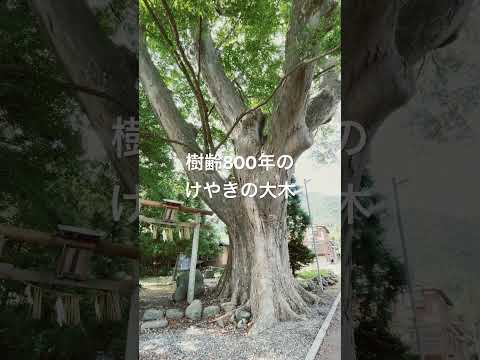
column 407, row 267
column 313, row 237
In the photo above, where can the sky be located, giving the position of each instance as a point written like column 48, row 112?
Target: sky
column 326, row 178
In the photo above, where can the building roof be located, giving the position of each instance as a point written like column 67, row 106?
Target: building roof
column 441, row 293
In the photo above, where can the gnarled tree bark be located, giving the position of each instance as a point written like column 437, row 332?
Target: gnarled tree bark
column 382, row 43
column 93, row 61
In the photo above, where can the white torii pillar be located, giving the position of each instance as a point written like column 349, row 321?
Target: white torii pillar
column 193, row 260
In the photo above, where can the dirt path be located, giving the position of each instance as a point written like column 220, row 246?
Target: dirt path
column 331, row 347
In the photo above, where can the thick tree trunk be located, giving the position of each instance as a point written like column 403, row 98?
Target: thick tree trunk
column 91, row 60
column 258, row 270
column 378, row 77
column 235, row 283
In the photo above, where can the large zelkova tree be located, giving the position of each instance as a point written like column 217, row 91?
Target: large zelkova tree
column 48, row 178
column 240, row 74
column 384, row 43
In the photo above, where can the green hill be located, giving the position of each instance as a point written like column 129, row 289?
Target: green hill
column 326, row 209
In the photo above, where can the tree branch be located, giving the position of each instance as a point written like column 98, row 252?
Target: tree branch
column 322, row 106
column 180, row 133
column 99, row 65
column 199, row 55
column 186, row 68
column 323, row 71
column 290, row 133
column 225, row 96
column 423, row 27
column 175, row 126
column 23, row 72
column 410, row 30
column 196, row 80
column 267, row 100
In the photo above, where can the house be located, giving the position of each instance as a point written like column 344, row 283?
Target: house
column 321, row 243
column 442, row 337
column 222, row 258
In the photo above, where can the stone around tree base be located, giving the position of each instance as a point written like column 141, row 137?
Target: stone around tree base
column 174, row 314
column 155, row 324
column 194, row 310
column 153, row 314
column 211, row 311
column 228, row 306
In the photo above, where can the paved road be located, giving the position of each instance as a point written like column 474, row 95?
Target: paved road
column 331, row 347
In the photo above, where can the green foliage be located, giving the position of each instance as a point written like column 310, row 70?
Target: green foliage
column 297, row 222
column 250, row 37
column 24, row 338
column 47, row 180
column 161, row 179
column 164, row 253
column 310, row 274
column 377, row 278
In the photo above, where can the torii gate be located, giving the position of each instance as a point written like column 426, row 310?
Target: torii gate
column 89, row 241
column 172, row 207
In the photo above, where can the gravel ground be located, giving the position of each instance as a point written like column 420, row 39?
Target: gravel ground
column 286, row 341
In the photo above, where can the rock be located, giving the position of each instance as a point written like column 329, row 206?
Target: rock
column 155, row 324
column 242, row 315
column 174, row 314
column 182, row 285
column 242, row 324
column 153, row 314
column 228, row 306
column 221, row 323
column 211, row 311
column 194, row 310
column 308, row 285
column 180, row 294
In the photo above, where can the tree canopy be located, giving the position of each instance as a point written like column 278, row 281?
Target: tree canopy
column 249, row 38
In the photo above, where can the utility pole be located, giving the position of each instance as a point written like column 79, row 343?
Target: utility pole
column 395, row 184
column 305, row 181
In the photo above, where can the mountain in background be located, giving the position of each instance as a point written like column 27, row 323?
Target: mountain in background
column 326, row 210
